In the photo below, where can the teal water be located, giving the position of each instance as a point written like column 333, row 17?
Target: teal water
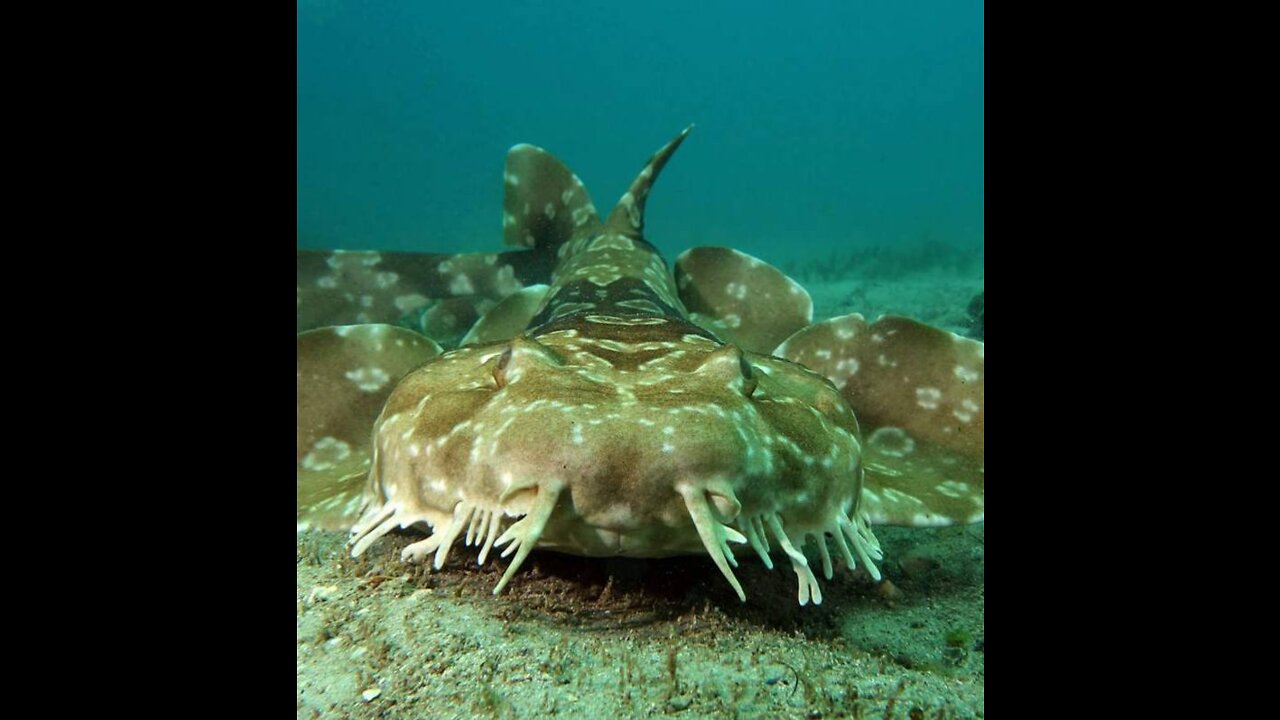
column 820, row 126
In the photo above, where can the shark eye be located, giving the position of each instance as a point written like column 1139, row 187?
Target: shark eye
column 500, row 370
column 523, row 355
column 749, row 379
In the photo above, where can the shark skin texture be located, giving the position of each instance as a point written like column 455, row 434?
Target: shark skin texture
column 604, row 404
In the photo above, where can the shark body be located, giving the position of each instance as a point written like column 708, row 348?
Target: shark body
column 598, row 415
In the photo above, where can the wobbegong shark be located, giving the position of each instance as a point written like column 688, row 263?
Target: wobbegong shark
column 599, row 403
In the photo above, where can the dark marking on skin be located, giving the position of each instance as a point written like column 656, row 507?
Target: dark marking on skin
column 672, row 330
column 621, row 290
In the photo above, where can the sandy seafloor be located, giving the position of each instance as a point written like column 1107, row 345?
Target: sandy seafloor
column 619, row 638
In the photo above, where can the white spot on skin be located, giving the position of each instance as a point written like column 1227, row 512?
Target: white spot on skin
column 628, row 202
column 386, row 279
column 582, row 215
column 617, row 515
column 409, row 303
column 954, row 489
column 328, row 282
column 505, row 282
column 549, row 211
column 613, row 242
column 461, row 285
column 892, row 441
column 668, row 448
column 369, row 379
column 965, row 375
column 325, row 453
column 928, row 397
column 901, row 498
column 341, row 259
column 966, row 411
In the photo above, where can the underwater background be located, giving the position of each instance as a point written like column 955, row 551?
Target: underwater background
column 840, row 141
column 821, row 126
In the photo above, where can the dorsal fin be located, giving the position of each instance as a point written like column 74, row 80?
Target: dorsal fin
column 627, row 217
column 544, row 203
